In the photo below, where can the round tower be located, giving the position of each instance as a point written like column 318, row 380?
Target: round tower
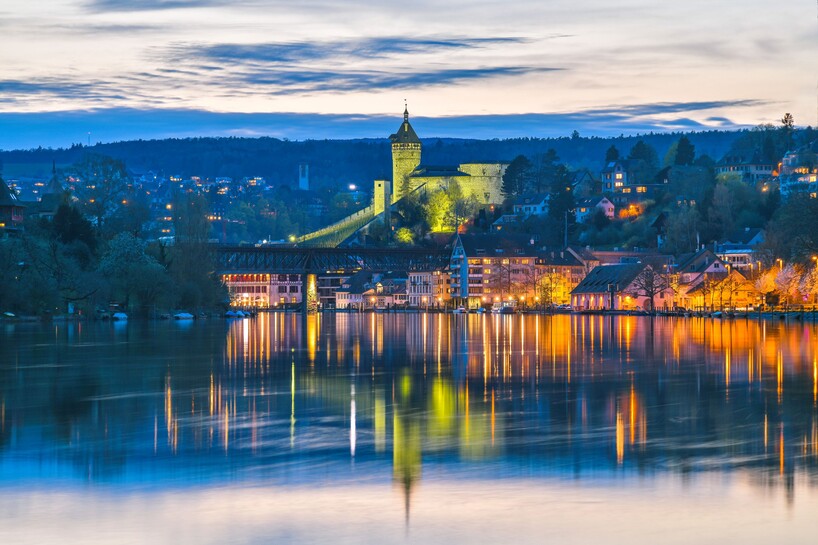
column 405, row 156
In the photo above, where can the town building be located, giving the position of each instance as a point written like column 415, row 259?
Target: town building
column 623, row 287
column 586, row 208
column 752, row 169
column 11, row 210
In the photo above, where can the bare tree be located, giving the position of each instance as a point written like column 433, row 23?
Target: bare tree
column 649, row 283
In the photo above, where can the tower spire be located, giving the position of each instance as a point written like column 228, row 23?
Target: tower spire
column 405, row 111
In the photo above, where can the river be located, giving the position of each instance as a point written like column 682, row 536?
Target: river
column 409, row 428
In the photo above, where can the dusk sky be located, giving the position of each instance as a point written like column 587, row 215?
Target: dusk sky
column 124, row 69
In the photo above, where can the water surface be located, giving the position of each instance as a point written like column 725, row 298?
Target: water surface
column 409, row 428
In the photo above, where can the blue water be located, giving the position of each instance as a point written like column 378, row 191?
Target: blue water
column 409, row 428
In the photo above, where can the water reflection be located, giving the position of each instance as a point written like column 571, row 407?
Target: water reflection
column 362, row 397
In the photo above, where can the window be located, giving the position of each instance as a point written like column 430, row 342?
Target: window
column 618, row 175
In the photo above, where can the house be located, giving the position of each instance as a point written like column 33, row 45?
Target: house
column 726, row 290
column 492, row 269
column 584, row 185
column 704, row 281
column 11, row 209
column 531, row 205
column 427, row 289
column 586, row 208
column 622, row 287
column 738, row 249
column 505, row 222
column 751, row 169
column 557, row 273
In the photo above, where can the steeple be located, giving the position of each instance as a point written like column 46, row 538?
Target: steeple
column 405, row 134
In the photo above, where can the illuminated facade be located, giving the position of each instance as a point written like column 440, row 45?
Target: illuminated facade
column 427, row 289
column 483, row 181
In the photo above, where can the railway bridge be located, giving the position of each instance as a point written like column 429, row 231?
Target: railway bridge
column 309, row 261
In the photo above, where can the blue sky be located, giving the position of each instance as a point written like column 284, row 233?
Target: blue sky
column 122, row 69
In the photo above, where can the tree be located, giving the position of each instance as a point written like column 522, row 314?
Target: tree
column 645, row 162
column 405, row 236
column 681, row 229
column 644, row 152
column 561, row 207
column 102, row 183
column 685, row 152
column 545, row 169
column 611, row 155
column 131, row 272
column 438, row 205
column 787, row 124
column 650, row 283
column 787, row 282
column 70, row 225
column 516, row 177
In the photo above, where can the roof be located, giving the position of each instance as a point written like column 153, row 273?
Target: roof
column 697, row 262
column 593, row 201
column 423, row 171
column 405, row 134
column 531, row 198
column 601, row 277
column 7, row 196
column 496, row 245
column 744, row 236
column 558, row 258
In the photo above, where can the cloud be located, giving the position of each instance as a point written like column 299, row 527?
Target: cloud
column 149, row 5
column 26, row 130
column 288, row 68
column 364, row 48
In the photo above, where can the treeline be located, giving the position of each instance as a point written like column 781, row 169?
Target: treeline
column 67, row 262
column 335, row 162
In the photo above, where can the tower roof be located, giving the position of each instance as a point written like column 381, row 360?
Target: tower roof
column 405, row 134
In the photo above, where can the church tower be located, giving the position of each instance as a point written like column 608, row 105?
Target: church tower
column 405, row 156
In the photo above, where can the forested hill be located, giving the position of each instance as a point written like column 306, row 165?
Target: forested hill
column 339, row 161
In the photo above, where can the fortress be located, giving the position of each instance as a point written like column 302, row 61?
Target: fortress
column 484, row 181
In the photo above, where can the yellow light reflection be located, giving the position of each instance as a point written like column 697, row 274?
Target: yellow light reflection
column 620, row 438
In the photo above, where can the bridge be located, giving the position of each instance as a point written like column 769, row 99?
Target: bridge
column 305, row 261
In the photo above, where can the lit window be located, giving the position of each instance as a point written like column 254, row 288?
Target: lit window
column 618, row 175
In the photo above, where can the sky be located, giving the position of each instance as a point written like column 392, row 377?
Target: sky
column 106, row 70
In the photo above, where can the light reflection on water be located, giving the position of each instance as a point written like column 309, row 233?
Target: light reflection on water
column 418, row 428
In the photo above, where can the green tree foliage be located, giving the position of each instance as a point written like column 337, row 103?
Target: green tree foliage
column 69, row 225
column 685, row 152
column 544, row 171
column 136, row 279
column 516, row 177
column 793, row 232
column 644, row 152
column 645, row 162
column 405, row 236
column 437, row 207
column 562, row 205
